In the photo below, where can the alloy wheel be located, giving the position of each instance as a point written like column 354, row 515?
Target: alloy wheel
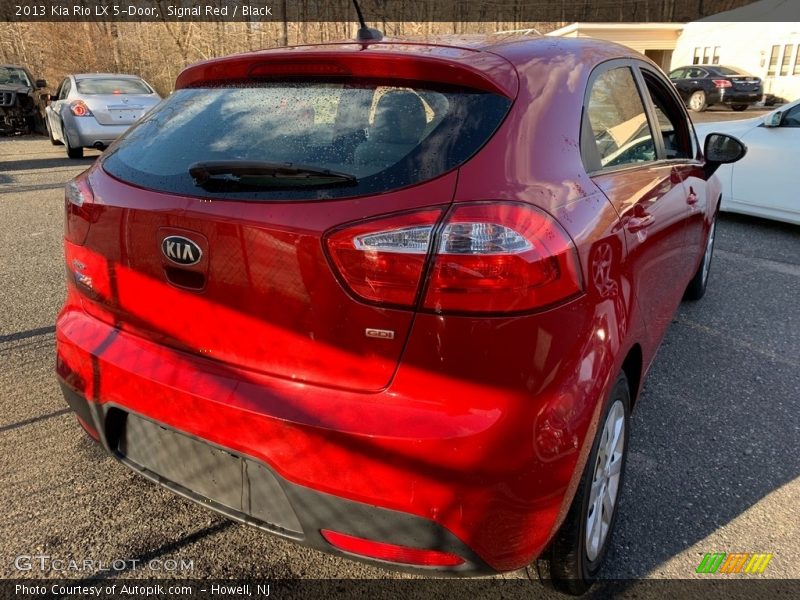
column 605, row 481
column 709, row 251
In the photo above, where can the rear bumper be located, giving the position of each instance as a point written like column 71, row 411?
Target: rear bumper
column 735, row 97
column 85, row 132
column 265, row 499
column 447, row 463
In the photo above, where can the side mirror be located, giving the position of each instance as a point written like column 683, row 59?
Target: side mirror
column 721, row 149
column 774, row 119
column 41, row 83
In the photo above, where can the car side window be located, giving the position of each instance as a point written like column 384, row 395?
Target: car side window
column 678, row 74
column 65, row 86
column 792, row 117
column 696, row 74
column 618, row 121
column 671, row 121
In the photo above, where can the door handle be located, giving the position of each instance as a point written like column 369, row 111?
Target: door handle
column 638, row 223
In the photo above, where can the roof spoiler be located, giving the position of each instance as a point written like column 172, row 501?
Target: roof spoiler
column 472, row 69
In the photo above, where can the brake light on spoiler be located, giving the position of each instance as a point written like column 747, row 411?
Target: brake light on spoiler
column 472, row 69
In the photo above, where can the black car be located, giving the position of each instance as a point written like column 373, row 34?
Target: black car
column 702, row 86
column 22, row 101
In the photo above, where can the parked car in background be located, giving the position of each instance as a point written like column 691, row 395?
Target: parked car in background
column 22, row 101
column 392, row 300
column 765, row 183
column 702, row 86
column 91, row 110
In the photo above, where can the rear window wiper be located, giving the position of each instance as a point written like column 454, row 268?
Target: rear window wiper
column 221, row 174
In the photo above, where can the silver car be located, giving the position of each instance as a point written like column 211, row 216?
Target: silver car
column 91, row 110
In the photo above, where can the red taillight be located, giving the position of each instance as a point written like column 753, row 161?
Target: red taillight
column 501, row 257
column 722, row 83
column 276, row 68
column 80, row 210
column 486, row 257
column 383, row 260
column 79, row 109
column 391, row 552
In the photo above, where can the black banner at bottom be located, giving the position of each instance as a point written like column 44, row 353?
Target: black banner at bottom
column 328, row 589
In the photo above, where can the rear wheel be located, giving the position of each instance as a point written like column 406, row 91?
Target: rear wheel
column 697, row 286
column 697, row 101
column 71, row 152
column 739, row 107
column 576, row 554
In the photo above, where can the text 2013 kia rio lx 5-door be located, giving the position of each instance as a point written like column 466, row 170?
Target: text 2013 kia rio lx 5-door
column 392, row 300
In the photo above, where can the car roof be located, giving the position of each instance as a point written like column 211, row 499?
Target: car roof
column 80, row 76
column 500, row 58
column 515, row 46
column 709, row 67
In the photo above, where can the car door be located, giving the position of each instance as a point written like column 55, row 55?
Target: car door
column 51, row 114
column 646, row 190
column 767, row 177
column 696, row 79
column 56, row 107
column 681, row 151
column 678, row 78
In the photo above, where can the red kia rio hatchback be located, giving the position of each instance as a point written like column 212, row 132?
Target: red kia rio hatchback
column 392, row 300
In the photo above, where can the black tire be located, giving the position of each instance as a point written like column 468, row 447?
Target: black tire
column 697, row 286
column 565, row 565
column 698, row 101
column 71, row 152
column 739, row 107
column 40, row 123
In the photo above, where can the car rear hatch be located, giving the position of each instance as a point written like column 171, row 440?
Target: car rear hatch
column 208, row 221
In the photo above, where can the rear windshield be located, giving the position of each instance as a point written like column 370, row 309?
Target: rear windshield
column 112, row 86
column 727, row 72
column 374, row 138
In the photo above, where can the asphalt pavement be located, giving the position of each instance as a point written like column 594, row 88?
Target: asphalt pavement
column 714, row 463
column 723, row 113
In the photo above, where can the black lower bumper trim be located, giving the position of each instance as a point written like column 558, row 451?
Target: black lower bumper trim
column 249, row 491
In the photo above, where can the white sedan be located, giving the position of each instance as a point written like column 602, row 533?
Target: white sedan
column 766, row 182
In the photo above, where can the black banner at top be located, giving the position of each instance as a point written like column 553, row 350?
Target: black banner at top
column 388, row 11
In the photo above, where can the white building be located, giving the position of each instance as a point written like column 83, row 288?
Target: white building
column 759, row 38
column 655, row 40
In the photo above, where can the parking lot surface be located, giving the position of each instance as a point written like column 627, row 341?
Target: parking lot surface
column 723, row 113
column 714, row 463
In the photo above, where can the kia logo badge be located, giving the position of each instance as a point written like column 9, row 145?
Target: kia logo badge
column 181, row 250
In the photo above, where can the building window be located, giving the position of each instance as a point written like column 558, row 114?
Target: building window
column 706, row 55
column 696, row 59
column 773, row 60
column 797, row 61
column 715, row 59
column 787, row 58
